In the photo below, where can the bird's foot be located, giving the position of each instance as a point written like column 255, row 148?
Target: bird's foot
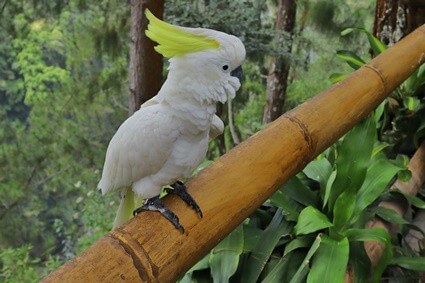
column 180, row 189
column 156, row 204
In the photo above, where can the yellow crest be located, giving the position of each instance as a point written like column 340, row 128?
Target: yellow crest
column 173, row 41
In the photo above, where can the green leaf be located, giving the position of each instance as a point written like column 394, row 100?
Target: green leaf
column 390, row 215
column 264, row 248
column 319, row 170
column 202, row 264
column 288, row 206
column 351, row 58
column 299, row 192
column 359, row 262
column 379, row 111
column 251, row 236
column 329, row 184
column 380, row 146
column 311, row 220
column 411, row 263
column 224, row 257
column 376, row 45
column 375, row 234
column 330, row 262
column 344, row 208
column 415, row 201
column 353, row 158
column 286, row 268
column 300, row 242
column 303, row 269
column 377, row 178
column 347, row 31
column 337, row 77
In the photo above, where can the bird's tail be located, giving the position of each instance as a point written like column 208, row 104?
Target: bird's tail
column 126, row 208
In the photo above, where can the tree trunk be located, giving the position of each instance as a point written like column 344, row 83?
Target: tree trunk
column 394, row 19
column 277, row 79
column 145, row 62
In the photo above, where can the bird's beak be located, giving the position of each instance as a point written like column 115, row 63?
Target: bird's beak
column 238, row 73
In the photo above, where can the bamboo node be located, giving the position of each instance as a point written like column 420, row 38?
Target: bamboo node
column 379, row 73
column 148, row 271
column 304, row 131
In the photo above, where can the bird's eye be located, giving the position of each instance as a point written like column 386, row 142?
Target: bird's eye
column 225, row 67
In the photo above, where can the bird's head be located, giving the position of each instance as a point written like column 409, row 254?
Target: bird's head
column 208, row 61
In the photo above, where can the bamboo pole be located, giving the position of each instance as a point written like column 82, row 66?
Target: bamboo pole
column 148, row 248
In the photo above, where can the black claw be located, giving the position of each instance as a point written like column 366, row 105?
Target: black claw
column 156, row 204
column 180, row 189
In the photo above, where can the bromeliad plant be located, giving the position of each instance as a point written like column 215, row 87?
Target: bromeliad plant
column 314, row 226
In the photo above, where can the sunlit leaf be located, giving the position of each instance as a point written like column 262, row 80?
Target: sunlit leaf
column 377, row 178
column 330, row 261
column 353, row 158
column 337, row 77
column 311, row 220
column 351, row 58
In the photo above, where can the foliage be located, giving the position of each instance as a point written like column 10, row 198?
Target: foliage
column 400, row 118
column 330, row 201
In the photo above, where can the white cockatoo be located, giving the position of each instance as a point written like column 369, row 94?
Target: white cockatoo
column 167, row 138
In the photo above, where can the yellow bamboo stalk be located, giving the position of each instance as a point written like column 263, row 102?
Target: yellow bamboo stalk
column 147, row 248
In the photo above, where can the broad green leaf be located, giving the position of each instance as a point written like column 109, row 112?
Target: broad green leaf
column 337, row 77
column 344, row 208
column 375, row 44
column 390, row 215
column 415, row 201
column 311, row 220
column 411, row 263
column 351, row 58
column 264, row 248
column 286, row 268
column 379, row 147
column 329, row 184
column 299, row 192
column 375, row 234
column 224, row 258
column 353, row 158
column 379, row 111
column 377, row 178
column 303, row 269
column 300, row 242
column 251, row 236
column 330, row 262
column 319, row 170
column 289, row 207
column 202, row 264
column 359, row 262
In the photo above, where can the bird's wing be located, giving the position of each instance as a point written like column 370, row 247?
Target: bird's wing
column 139, row 148
column 217, row 127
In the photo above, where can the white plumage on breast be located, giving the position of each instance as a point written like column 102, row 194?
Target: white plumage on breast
column 140, row 147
